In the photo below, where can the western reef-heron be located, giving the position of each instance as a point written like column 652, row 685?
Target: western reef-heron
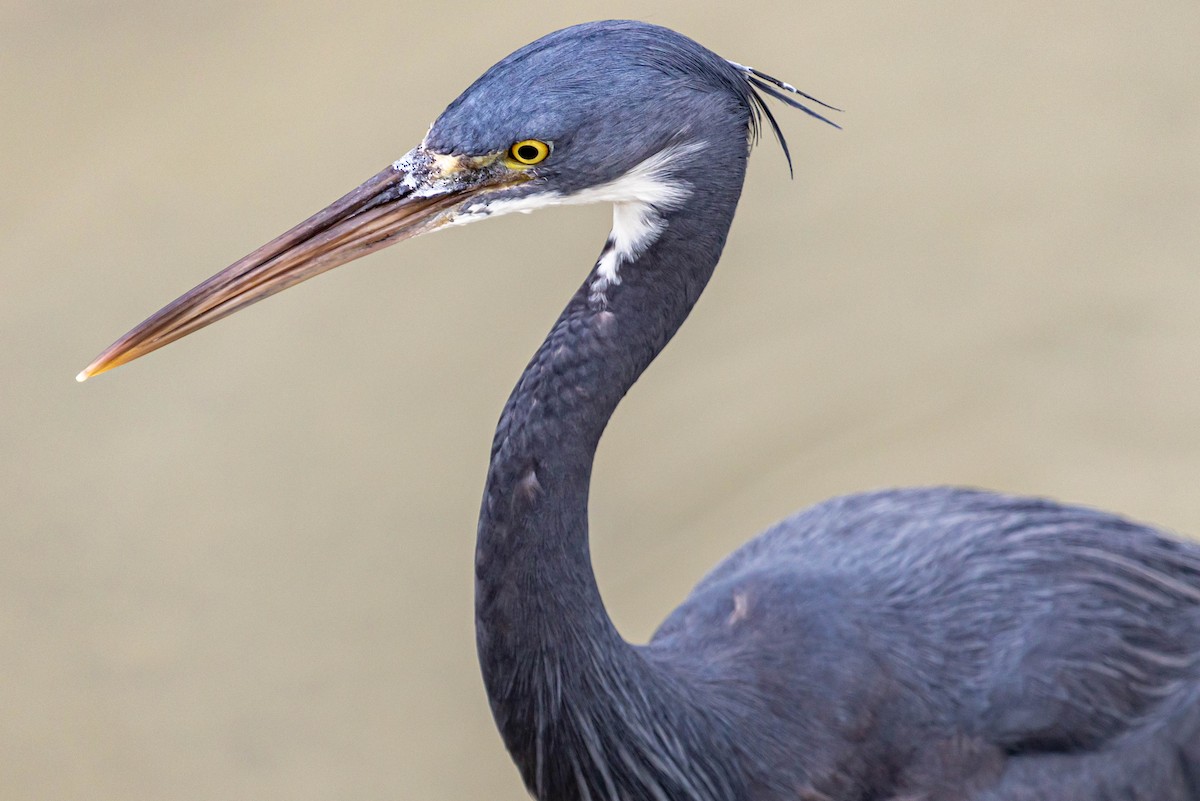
column 930, row 644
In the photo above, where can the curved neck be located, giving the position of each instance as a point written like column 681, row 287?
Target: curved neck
column 574, row 702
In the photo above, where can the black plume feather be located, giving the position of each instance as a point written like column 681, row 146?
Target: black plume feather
column 761, row 82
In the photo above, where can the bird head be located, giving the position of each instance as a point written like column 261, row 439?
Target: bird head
column 599, row 112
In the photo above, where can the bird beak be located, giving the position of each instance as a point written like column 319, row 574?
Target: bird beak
column 417, row 194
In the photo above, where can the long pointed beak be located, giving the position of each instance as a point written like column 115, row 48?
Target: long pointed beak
column 399, row 203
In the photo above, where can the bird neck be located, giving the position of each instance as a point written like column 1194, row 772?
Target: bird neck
column 563, row 684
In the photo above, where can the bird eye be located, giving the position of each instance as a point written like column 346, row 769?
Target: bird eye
column 529, row 151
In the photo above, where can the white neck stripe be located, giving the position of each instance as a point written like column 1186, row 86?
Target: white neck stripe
column 639, row 198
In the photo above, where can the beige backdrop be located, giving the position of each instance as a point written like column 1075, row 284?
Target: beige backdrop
column 241, row 568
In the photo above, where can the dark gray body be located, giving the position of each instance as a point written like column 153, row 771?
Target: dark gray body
column 921, row 644
column 954, row 644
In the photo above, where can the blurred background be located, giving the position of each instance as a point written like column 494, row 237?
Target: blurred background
column 241, row 567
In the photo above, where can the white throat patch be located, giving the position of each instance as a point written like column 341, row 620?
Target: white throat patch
column 639, row 198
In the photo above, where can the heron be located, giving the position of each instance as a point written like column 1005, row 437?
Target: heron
column 908, row 644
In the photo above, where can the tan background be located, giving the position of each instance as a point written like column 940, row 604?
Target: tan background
column 241, row 568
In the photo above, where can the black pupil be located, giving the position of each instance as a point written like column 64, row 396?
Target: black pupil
column 527, row 152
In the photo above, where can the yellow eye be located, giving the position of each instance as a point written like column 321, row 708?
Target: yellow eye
column 529, row 151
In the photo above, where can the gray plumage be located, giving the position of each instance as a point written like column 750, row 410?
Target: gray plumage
column 917, row 644
column 910, row 645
